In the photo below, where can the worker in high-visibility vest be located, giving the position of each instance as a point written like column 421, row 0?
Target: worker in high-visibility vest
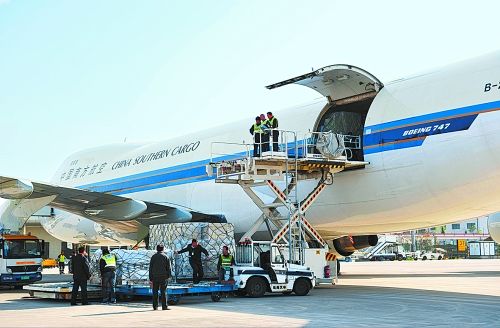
column 256, row 131
column 272, row 123
column 107, row 265
column 61, row 259
column 226, row 260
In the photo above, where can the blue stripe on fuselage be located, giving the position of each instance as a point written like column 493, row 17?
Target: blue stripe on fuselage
column 411, row 136
column 411, row 132
column 400, row 134
column 467, row 110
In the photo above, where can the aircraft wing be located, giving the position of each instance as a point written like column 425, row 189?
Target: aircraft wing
column 120, row 213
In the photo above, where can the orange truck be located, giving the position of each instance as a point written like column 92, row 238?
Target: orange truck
column 20, row 259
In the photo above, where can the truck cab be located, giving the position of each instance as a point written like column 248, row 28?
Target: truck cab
column 20, row 259
column 262, row 267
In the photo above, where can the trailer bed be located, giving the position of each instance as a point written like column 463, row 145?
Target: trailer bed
column 62, row 291
column 175, row 291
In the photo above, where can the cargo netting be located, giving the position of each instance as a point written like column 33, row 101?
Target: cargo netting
column 176, row 236
column 132, row 266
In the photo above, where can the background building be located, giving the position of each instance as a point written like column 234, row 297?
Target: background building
column 53, row 246
column 447, row 237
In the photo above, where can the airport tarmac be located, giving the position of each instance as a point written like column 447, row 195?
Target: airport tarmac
column 464, row 293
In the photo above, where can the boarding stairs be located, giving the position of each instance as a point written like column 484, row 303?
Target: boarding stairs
column 383, row 242
column 281, row 171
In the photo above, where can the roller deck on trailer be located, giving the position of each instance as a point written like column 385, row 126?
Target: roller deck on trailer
column 176, row 291
column 62, row 291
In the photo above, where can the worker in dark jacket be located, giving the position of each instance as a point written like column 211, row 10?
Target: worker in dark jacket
column 107, row 266
column 70, row 265
column 81, row 273
column 256, row 131
column 195, row 251
column 272, row 122
column 265, row 136
column 159, row 272
column 224, row 264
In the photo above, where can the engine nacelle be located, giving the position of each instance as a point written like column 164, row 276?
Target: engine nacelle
column 80, row 230
column 494, row 226
column 346, row 245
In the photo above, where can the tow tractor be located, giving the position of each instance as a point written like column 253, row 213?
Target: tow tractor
column 262, row 268
column 20, row 259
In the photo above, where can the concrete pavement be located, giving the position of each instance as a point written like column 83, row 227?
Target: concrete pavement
column 464, row 293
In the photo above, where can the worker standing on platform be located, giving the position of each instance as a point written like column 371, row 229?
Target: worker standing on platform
column 226, row 260
column 256, row 131
column 61, row 259
column 272, row 122
column 195, row 251
column 107, row 266
column 159, row 272
column 265, row 134
column 81, row 273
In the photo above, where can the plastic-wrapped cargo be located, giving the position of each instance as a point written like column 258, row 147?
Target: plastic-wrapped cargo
column 176, row 236
column 132, row 266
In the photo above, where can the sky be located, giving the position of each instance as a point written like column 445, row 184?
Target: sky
column 80, row 74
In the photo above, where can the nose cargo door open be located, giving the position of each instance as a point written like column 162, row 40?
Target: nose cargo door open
column 336, row 82
column 350, row 91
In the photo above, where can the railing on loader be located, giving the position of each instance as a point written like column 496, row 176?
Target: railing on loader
column 291, row 158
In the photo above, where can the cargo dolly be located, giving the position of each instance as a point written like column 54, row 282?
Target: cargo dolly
column 62, row 291
column 175, row 291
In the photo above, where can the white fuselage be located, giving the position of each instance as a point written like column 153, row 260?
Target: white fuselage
column 433, row 143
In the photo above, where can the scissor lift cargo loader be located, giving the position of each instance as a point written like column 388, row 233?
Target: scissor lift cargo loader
column 291, row 235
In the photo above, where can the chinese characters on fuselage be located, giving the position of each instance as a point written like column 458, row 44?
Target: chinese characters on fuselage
column 76, row 171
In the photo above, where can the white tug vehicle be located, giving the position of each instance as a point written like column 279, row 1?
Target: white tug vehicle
column 262, row 268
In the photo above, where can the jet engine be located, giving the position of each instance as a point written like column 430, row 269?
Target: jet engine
column 346, row 245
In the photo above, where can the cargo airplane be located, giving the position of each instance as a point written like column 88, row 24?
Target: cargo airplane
column 432, row 142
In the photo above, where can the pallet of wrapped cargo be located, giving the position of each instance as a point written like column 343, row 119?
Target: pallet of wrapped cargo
column 176, row 236
column 132, row 266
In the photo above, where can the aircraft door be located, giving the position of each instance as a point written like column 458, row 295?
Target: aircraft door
column 349, row 91
column 336, row 82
